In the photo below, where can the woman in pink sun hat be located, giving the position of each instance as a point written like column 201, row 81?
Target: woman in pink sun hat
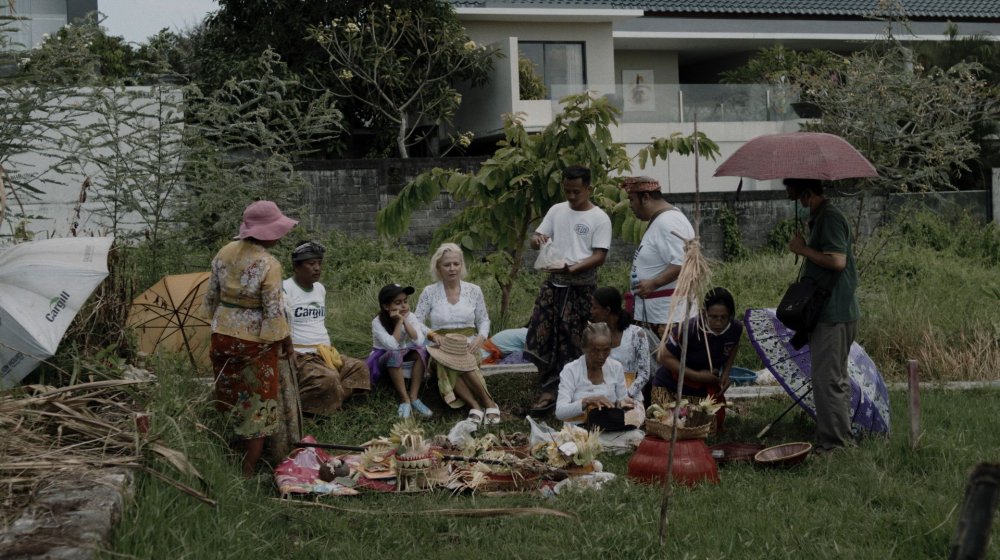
column 249, row 328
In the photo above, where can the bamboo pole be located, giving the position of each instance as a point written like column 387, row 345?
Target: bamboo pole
column 690, row 297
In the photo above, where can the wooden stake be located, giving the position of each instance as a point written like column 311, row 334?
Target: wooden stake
column 913, row 386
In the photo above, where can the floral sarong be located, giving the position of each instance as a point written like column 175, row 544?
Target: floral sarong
column 246, row 384
column 556, row 329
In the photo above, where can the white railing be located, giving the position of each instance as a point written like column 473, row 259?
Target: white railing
column 657, row 103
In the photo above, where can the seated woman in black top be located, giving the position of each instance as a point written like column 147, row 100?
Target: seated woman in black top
column 714, row 337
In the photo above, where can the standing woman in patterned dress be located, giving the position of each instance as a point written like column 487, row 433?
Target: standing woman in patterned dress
column 249, row 328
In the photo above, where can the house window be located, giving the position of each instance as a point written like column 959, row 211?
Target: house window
column 561, row 66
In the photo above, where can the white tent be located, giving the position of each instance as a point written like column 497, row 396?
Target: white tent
column 43, row 285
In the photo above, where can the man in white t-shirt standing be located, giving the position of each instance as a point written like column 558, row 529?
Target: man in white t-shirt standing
column 658, row 259
column 326, row 378
column 580, row 232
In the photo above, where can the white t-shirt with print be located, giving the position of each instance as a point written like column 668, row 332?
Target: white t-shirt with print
column 306, row 314
column 575, row 234
column 659, row 249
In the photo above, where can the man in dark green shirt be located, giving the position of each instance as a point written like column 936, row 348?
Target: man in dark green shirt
column 829, row 261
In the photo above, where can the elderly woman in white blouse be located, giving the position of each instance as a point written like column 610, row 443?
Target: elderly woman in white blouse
column 452, row 305
column 592, row 380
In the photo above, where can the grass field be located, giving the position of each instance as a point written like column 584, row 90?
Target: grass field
column 880, row 500
column 928, row 291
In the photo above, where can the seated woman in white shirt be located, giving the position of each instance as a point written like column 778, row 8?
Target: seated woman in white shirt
column 592, row 380
column 455, row 306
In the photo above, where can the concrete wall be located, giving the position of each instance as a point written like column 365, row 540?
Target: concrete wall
column 676, row 175
column 345, row 195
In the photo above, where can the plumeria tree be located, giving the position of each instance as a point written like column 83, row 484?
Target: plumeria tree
column 401, row 67
column 510, row 193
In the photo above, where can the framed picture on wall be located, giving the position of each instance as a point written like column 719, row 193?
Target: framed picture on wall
column 637, row 89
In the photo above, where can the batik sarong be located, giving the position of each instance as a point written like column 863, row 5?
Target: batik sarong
column 556, row 329
column 324, row 388
column 246, row 384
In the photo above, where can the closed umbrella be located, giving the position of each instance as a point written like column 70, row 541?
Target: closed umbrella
column 793, row 370
column 43, row 285
column 170, row 316
column 802, row 155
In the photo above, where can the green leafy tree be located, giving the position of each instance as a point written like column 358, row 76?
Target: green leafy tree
column 510, row 193
column 403, row 67
column 245, row 141
column 914, row 123
column 984, row 53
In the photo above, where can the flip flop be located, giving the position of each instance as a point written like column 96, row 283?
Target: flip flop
column 476, row 415
column 492, row 415
column 549, row 405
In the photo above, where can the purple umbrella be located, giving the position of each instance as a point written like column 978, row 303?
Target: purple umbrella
column 792, row 368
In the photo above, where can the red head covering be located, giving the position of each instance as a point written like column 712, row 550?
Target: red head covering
column 640, row 184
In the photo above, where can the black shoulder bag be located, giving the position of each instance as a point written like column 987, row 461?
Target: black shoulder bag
column 803, row 302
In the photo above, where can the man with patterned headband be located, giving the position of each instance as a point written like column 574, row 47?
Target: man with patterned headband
column 658, row 259
column 326, row 378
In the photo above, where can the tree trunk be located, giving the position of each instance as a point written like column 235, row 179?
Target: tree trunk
column 508, row 284
column 401, row 136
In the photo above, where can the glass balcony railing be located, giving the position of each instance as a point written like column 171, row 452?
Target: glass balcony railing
column 657, row 103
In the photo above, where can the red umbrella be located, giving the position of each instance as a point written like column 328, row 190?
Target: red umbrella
column 802, row 155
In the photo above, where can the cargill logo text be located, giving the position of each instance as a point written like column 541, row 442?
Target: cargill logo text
column 58, row 303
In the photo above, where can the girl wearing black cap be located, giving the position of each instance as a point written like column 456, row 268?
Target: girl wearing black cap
column 397, row 341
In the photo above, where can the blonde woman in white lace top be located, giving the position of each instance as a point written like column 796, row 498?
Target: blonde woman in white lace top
column 454, row 306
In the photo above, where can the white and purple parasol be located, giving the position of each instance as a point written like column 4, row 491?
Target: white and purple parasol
column 793, row 370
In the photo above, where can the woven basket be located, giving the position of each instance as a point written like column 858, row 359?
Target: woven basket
column 663, row 431
column 665, row 398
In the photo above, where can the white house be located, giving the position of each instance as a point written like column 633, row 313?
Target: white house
column 660, row 61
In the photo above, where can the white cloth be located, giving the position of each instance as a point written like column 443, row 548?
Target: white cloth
column 659, row 249
column 633, row 354
column 574, row 386
column 306, row 314
column 576, row 234
column 384, row 340
column 469, row 311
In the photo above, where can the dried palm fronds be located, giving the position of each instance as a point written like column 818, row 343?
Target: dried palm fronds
column 55, row 432
column 460, row 512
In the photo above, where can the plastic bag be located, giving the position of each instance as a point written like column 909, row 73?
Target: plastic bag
column 540, row 432
column 462, row 432
column 548, row 257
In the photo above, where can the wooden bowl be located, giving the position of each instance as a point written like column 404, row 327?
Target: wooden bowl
column 735, row 451
column 784, row 455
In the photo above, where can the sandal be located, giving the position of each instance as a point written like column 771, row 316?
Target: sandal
column 476, row 415
column 545, row 403
column 492, row 415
